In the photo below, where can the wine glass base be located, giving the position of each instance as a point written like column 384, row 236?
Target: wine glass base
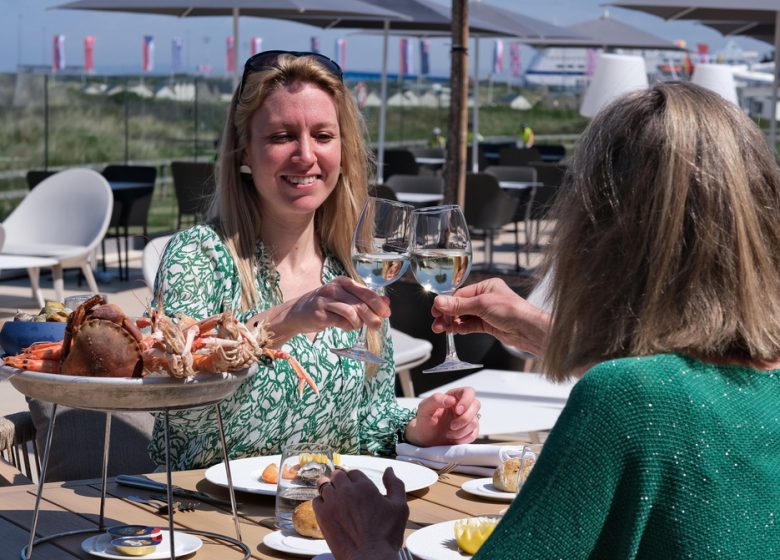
column 455, row 365
column 360, row 354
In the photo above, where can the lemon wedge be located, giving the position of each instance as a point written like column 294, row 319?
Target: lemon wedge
column 305, row 458
column 471, row 533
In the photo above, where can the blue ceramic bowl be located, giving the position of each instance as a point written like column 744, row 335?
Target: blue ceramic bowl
column 17, row 335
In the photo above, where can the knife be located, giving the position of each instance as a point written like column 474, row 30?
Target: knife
column 148, row 484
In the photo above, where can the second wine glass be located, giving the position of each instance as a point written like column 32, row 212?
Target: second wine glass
column 380, row 253
column 441, row 261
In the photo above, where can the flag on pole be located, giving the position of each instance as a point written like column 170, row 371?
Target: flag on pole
column 230, row 58
column 58, row 60
column 315, row 44
column 406, row 58
column 514, row 59
column 341, row 52
column 256, row 45
column 177, row 45
column 89, row 54
column 704, row 52
column 591, row 58
column 148, row 55
column 498, row 56
column 425, row 57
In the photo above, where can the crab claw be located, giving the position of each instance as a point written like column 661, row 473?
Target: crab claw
column 303, row 377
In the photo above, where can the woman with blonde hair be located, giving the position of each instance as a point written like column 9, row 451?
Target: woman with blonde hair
column 666, row 296
column 292, row 179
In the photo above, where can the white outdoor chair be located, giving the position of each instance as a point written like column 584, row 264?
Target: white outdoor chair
column 151, row 258
column 59, row 224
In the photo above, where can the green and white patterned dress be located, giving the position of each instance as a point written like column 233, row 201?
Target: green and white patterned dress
column 353, row 413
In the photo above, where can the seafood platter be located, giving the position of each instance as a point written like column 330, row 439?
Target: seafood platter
column 108, row 361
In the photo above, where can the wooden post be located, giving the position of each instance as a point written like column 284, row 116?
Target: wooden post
column 455, row 169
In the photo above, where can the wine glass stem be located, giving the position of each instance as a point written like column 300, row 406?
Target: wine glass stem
column 361, row 341
column 452, row 355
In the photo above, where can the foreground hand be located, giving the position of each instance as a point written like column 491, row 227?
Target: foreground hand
column 445, row 419
column 341, row 303
column 357, row 521
column 494, row 308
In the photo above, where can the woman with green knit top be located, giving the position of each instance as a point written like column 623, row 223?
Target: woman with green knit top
column 666, row 301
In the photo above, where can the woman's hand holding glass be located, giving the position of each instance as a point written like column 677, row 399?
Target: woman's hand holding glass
column 441, row 261
column 380, row 253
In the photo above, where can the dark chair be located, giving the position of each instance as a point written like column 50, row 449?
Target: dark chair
column 482, row 161
column 195, row 184
column 133, row 188
column 35, row 176
column 428, row 184
column 382, row 191
column 399, row 162
column 524, row 174
column 551, row 152
column 518, row 156
column 487, row 209
column 425, row 151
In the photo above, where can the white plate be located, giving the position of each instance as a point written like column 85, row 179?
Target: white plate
column 287, row 540
column 435, row 542
column 100, row 545
column 484, row 487
column 247, row 472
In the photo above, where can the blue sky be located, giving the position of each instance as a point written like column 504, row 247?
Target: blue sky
column 29, row 25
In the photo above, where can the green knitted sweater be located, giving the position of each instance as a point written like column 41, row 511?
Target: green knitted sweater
column 659, row 457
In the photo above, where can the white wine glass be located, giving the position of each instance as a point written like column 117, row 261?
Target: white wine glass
column 441, row 261
column 380, row 253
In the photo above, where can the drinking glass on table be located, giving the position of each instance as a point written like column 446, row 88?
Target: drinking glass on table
column 301, row 465
column 380, row 253
column 441, row 261
column 527, row 461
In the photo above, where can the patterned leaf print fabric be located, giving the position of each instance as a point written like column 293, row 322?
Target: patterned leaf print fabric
column 353, row 413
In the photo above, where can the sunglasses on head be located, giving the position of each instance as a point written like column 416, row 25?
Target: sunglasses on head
column 269, row 59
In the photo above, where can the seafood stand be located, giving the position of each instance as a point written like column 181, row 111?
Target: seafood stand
column 106, row 364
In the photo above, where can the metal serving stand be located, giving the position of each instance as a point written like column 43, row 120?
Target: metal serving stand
column 114, row 394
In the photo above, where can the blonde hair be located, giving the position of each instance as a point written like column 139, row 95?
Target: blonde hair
column 236, row 206
column 667, row 236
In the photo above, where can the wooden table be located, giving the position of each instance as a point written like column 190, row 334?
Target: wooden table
column 74, row 505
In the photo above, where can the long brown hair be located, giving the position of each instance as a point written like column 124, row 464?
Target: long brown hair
column 667, row 235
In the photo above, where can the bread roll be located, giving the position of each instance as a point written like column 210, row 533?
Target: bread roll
column 505, row 475
column 305, row 522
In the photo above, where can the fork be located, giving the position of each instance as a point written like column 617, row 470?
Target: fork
column 447, row 469
column 183, row 506
column 404, row 554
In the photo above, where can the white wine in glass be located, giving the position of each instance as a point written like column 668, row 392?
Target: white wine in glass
column 441, row 261
column 380, row 253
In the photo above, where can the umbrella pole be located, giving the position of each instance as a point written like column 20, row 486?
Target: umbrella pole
column 773, row 119
column 380, row 152
column 475, row 111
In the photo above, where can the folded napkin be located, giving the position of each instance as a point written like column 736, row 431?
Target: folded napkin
column 472, row 458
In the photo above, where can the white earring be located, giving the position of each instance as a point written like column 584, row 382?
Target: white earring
column 245, row 169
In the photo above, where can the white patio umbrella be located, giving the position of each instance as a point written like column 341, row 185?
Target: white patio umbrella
column 326, row 12
column 747, row 12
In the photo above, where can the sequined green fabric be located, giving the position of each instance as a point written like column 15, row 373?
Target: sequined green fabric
column 353, row 413
column 660, row 457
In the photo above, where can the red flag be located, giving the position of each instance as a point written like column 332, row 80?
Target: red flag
column 514, row 58
column 89, row 52
column 406, row 57
column 257, row 45
column 230, row 62
column 704, row 52
column 341, row 52
column 58, row 60
column 148, row 59
column 498, row 56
